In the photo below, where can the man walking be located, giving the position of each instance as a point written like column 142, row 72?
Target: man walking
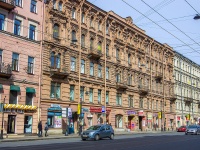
column 40, row 129
column 46, row 128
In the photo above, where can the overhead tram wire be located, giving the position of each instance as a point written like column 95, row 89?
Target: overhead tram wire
column 158, row 7
column 174, row 26
column 158, row 25
column 192, row 6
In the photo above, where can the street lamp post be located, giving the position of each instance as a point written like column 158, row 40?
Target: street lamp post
column 2, row 121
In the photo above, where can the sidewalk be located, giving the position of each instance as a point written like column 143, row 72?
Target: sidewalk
column 16, row 138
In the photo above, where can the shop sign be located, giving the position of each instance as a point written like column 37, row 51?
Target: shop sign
column 85, row 110
column 155, row 115
column 140, row 113
column 149, row 116
column 55, row 105
column 99, row 110
column 131, row 112
column 69, row 112
column 178, row 118
column 159, row 115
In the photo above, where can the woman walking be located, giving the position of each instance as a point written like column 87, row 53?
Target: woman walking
column 46, row 128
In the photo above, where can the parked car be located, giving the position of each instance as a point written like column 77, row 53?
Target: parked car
column 182, row 129
column 193, row 129
column 97, row 132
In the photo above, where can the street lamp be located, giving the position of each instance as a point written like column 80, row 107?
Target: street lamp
column 196, row 17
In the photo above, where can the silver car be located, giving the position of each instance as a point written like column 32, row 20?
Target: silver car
column 192, row 129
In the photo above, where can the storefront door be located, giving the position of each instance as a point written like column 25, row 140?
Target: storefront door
column 28, row 121
column 11, row 124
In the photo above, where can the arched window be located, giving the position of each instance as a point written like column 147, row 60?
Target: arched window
column 99, row 47
column 58, row 61
column 119, row 121
column 54, row 4
column 60, row 6
column 74, row 13
column 55, row 30
column 92, row 22
column 82, row 40
column 118, row 77
column 91, row 43
column 52, row 59
column 73, row 36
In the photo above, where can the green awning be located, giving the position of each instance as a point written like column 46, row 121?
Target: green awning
column 1, row 86
column 15, row 88
column 30, row 90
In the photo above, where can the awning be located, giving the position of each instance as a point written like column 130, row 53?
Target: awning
column 15, row 88
column 30, row 90
column 1, row 86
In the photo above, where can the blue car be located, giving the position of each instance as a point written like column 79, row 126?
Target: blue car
column 97, row 132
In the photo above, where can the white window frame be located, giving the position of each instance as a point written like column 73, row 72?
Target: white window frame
column 22, row 23
column 36, row 27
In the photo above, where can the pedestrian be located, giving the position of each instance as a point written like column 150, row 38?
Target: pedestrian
column 46, row 128
column 40, row 129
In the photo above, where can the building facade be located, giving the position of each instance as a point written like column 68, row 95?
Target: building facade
column 106, row 65
column 187, row 90
column 20, row 59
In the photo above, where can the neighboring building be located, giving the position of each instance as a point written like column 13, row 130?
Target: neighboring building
column 105, row 60
column 187, row 89
column 20, row 49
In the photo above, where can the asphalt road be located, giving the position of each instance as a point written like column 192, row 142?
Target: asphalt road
column 173, row 141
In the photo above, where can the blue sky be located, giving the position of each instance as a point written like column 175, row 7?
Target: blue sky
column 185, row 29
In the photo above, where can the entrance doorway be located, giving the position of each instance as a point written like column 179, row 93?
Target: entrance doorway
column 11, row 124
column 140, row 122
column 28, row 121
column 130, row 124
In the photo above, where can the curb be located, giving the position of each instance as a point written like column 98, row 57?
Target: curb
column 75, row 136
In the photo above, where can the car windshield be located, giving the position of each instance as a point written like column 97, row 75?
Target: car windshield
column 182, row 127
column 94, row 128
column 192, row 126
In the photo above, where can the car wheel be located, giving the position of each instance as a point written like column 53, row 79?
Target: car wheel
column 83, row 139
column 112, row 136
column 96, row 138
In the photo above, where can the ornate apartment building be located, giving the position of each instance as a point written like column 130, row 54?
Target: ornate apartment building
column 107, row 64
column 187, row 90
column 20, row 59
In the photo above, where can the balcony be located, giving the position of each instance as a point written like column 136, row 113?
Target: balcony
column 143, row 89
column 188, row 99
column 94, row 54
column 57, row 73
column 172, row 97
column 121, row 86
column 7, row 4
column 158, row 75
column 5, row 70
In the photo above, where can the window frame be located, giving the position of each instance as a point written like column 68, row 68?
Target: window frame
column 73, row 61
column 91, row 67
column 56, row 86
column 99, row 96
column 72, row 94
column 31, row 95
column 2, row 22
column 15, row 67
column 56, row 30
column 33, row 7
column 91, row 95
column 30, row 69
column 18, row 3
column 82, row 66
column 99, row 71
column 32, row 33
column 17, row 27
column 119, row 99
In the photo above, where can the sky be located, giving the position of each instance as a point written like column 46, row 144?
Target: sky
column 167, row 21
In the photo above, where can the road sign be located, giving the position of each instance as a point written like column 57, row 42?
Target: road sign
column 103, row 109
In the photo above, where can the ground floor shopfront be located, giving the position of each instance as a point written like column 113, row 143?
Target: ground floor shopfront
column 120, row 119
column 187, row 119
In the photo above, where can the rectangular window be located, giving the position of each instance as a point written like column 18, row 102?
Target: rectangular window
column 72, row 92
column 139, row 65
column 141, row 103
column 18, row 3
column 32, row 32
column 29, row 98
column 99, row 96
column 99, row 71
column 107, row 73
column 17, row 27
column 55, row 90
column 82, row 66
column 130, row 80
column 73, row 64
column 129, row 59
column 15, row 61
column 1, row 56
column 30, row 64
column 130, row 101
column 82, row 93
column 33, row 6
column 91, row 95
column 2, row 21
column 13, row 97
column 91, row 69
column 83, row 18
column 107, row 50
column 107, row 97
column 119, row 99
column 117, row 53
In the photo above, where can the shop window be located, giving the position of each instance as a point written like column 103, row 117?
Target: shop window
column 13, row 97
column 28, row 121
column 99, row 119
column 29, row 98
column 54, row 119
column 90, row 122
column 119, row 121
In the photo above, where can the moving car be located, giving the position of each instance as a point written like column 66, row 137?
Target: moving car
column 97, row 132
column 193, row 129
column 182, row 129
